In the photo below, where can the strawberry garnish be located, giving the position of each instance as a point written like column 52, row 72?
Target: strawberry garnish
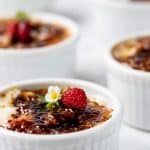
column 19, row 29
column 24, row 29
column 75, row 98
column 12, row 30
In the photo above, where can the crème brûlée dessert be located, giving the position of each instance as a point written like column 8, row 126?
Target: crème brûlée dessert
column 24, row 31
column 51, row 110
column 134, row 52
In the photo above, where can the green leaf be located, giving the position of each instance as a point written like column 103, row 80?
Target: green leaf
column 21, row 15
column 52, row 106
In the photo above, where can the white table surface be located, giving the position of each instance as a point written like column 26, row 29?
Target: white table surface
column 90, row 61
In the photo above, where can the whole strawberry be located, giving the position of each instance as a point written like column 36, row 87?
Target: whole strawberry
column 75, row 98
column 24, row 29
column 12, row 30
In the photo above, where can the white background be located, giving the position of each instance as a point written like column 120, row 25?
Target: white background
column 90, row 59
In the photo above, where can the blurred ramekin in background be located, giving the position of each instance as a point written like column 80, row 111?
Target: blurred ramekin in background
column 120, row 17
column 27, row 5
column 104, row 136
column 56, row 60
column 132, row 87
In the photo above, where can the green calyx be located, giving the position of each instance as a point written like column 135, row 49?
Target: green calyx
column 21, row 16
column 52, row 106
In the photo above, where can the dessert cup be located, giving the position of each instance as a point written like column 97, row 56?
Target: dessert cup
column 131, row 86
column 54, row 60
column 104, row 136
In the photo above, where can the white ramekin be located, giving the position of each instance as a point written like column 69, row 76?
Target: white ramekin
column 57, row 60
column 28, row 5
column 102, row 137
column 131, row 87
column 120, row 17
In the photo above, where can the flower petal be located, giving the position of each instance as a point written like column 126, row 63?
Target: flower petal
column 48, row 98
column 57, row 90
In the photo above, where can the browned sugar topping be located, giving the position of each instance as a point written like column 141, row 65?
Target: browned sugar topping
column 34, row 118
column 41, row 34
column 137, row 56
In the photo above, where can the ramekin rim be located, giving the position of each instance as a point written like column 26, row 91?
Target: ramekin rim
column 121, row 67
column 124, row 5
column 71, row 24
column 116, row 115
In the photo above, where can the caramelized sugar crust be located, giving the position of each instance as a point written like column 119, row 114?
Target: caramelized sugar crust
column 34, row 118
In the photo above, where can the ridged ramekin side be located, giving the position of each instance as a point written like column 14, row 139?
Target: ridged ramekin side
column 132, row 89
column 91, row 142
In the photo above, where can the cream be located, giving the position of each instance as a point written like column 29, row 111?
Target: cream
column 6, row 107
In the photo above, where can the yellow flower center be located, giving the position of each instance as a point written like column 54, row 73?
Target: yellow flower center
column 54, row 95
